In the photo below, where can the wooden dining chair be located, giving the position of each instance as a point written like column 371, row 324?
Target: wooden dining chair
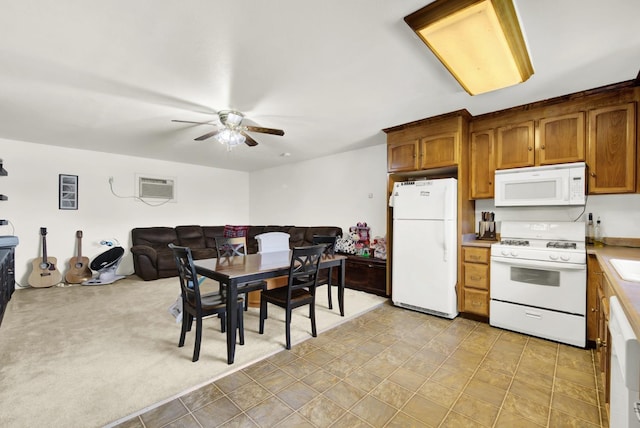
column 237, row 246
column 198, row 306
column 300, row 289
column 325, row 275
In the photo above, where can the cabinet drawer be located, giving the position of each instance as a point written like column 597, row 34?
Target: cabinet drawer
column 476, row 302
column 476, row 276
column 476, row 255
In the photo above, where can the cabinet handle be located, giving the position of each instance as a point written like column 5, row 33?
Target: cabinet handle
column 594, row 310
column 601, row 343
column 530, row 148
column 542, row 147
column 593, row 174
column 476, row 277
column 476, row 303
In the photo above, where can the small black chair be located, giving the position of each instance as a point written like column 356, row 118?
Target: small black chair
column 300, row 289
column 329, row 243
column 195, row 305
column 229, row 247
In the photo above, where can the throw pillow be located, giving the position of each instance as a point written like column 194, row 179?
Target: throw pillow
column 234, row 231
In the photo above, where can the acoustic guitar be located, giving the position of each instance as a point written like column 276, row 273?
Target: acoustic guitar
column 45, row 273
column 79, row 270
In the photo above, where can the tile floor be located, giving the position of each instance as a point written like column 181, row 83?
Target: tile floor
column 396, row 368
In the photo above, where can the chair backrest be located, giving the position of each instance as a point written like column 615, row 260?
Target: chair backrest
column 229, row 247
column 303, row 271
column 188, row 276
column 329, row 243
column 272, row 241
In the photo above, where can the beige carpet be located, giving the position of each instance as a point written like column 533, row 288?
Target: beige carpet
column 91, row 355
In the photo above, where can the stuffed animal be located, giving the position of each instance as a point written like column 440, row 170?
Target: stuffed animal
column 379, row 246
column 347, row 244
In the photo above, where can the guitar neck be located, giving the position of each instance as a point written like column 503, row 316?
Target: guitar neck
column 43, row 232
column 79, row 239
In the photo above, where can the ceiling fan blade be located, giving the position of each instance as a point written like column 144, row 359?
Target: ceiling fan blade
column 265, row 130
column 248, row 140
column 207, row 135
column 195, row 123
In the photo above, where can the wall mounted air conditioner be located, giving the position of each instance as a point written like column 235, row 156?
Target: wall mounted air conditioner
column 156, row 188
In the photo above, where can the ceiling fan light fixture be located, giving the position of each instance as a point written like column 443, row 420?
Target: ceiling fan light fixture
column 231, row 118
column 480, row 42
column 230, row 138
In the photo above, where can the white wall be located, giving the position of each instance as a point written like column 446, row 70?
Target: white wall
column 328, row 191
column 620, row 214
column 206, row 196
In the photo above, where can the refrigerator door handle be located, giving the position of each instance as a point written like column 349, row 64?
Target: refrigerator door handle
column 444, row 229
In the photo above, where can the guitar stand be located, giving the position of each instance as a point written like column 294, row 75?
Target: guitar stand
column 106, row 264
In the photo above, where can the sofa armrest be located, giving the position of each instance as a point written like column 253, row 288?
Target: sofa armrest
column 145, row 250
column 145, row 262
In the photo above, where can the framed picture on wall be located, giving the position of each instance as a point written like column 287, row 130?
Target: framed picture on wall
column 68, row 192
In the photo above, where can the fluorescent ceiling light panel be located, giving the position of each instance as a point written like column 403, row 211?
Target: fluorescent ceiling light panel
column 478, row 41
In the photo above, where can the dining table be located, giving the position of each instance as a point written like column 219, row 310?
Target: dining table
column 235, row 270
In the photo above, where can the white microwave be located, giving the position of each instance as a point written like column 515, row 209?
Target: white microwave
column 552, row 185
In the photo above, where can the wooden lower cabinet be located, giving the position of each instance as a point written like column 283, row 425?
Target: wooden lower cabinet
column 598, row 293
column 475, row 286
column 594, row 285
column 365, row 274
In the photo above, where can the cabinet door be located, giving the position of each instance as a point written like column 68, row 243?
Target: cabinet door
column 476, row 302
column 368, row 275
column 439, row 150
column 476, row 276
column 515, row 146
column 594, row 286
column 611, row 153
column 403, row 156
column 476, row 254
column 482, row 165
column 562, row 139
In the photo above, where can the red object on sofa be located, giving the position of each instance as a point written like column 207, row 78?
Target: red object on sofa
column 234, row 231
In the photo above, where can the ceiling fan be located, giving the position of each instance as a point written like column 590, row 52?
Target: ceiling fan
column 233, row 132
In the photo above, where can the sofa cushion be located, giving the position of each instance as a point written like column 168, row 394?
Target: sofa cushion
column 190, row 236
column 210, row 233
column 157, row 238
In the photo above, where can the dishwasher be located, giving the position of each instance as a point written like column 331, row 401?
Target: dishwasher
column 625, row 369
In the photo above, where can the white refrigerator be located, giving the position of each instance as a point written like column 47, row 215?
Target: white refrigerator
column 424, row 264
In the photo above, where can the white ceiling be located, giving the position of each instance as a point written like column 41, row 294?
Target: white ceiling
column 110, row 75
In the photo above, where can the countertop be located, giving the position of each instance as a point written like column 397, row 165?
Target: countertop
column 628, row 292
column 472, row 241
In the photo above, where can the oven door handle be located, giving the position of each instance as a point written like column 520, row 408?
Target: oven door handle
column 539, row 264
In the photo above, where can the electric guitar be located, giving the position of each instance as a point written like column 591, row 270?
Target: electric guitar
column 45, row 273
column 79, row 270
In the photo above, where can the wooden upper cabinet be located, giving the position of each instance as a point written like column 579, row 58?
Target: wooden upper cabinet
column 561, row 139
column 439, row 151
column 403, row 156
column 611, row 155
column 481, row 164
column 515, row 145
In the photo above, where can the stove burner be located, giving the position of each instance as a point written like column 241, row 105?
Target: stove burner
column 516, row 242
column 560, row 244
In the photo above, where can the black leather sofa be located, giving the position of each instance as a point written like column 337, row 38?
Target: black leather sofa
column 152, row 258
